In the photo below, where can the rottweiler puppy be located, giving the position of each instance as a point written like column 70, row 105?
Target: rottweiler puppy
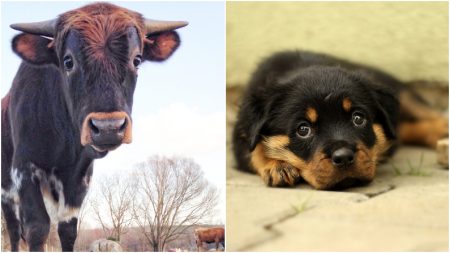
column 326, row 120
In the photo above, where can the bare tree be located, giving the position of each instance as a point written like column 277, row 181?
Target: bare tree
column 172, row 195
column 84, row 211
column 111, row 205
column 81, row 242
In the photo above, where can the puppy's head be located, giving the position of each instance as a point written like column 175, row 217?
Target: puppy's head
column 329, row 123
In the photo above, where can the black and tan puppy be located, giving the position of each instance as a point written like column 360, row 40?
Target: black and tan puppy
column 326, row 120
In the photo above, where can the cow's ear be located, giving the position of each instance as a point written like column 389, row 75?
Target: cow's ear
column 34, row 49
column 160, row 46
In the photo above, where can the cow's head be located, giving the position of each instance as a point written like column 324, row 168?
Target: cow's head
column 98, row 49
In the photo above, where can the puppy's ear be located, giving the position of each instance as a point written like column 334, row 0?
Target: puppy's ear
column 386, row 105
column 256, row 132
column 386, row 110
column 34, row 49
column 262, row 118
column 160, row 46
column 385, row 102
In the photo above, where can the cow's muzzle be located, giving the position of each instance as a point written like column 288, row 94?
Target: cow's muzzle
column 105, row 131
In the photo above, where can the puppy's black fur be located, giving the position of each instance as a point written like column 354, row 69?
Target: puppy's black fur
column 288, row 84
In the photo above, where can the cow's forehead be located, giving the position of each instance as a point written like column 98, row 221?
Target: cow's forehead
column 86, row 43
column 96, row 23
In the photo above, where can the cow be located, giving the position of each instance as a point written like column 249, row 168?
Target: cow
column 70, row 103
column 209, row 235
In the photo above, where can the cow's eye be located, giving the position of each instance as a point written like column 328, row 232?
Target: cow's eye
column 137, row 61
column 359, row 119
column 68, row 63
column 304, row 130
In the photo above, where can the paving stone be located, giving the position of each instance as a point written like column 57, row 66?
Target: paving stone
column 405, row 208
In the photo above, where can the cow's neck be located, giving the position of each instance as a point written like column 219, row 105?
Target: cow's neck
column 65, row 151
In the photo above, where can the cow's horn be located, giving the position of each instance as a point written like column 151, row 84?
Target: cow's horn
column 155, row 26
column 44, row 28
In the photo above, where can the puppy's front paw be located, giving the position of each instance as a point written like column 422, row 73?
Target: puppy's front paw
column 281, row 175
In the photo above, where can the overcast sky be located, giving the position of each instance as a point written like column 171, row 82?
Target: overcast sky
column 179, row 105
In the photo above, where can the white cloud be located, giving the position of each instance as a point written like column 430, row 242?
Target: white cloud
column 179, row 129
column 174, row 130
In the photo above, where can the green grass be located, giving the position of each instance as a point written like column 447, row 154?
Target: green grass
column 302, row 205
column 397, row 170
column 412, row 169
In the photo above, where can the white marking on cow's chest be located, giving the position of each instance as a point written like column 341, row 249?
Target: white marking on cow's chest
column 57, row 209
column 16, row 178
column 11, row 196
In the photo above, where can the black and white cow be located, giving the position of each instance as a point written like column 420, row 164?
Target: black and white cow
column 70, row 103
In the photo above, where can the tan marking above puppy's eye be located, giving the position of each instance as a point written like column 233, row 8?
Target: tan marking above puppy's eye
column 347, row 104
column 311, row 114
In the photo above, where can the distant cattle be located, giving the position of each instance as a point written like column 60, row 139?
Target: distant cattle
column 210, row 235
column 104, row 245
column 70, row 103
column 177, row 250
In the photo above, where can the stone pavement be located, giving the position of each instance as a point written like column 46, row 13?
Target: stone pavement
column 404, row 209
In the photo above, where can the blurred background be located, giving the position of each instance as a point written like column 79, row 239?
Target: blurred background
column 407, row 39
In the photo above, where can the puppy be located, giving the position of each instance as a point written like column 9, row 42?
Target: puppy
column 326, row 120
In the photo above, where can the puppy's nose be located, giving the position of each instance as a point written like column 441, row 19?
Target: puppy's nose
column 342, row 157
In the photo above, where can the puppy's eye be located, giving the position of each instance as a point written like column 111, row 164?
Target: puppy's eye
column 137, row 61
column 304, row 130
column 68, row 63
column 359, row 119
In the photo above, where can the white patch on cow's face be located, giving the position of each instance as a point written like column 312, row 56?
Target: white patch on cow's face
column 56, row 210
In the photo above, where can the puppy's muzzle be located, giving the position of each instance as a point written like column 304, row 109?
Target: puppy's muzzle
column 106, row 131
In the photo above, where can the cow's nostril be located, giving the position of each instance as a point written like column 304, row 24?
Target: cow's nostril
column 124, row 125
column 93, row 127
column 108, row 125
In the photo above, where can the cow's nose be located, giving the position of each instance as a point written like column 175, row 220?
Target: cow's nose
column 106, row 130
column 107, row 133
column 343, row 157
